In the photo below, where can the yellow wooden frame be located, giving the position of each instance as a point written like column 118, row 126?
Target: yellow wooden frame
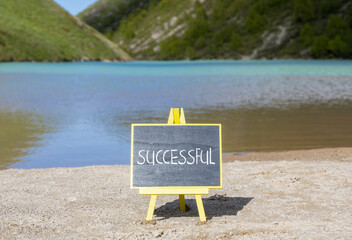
column 177, row 119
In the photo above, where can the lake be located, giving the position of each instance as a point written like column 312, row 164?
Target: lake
column 79, row 114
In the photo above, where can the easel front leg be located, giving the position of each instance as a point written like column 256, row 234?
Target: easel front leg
column 182, row 202
column 200, row 207
column 151, row 207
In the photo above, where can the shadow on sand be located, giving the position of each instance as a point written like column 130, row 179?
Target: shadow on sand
column 214, row 206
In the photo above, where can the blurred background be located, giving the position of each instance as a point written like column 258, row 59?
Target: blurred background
column 75, row 74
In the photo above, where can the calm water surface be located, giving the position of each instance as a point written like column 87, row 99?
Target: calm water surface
column 79, row 114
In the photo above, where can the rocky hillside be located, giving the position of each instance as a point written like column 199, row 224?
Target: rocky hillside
column 38, row 30
column 228, row 29
column 105, row 15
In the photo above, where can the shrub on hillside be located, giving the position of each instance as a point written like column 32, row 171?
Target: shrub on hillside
column 173, row 48
column 339, row 48
column 238, row 6
column 328, row 6
column 219, row 10
column 127, row 30
column 222, row 37
column 349, row 16
column 236, row 41
column 200, row 43
column 264, row 6
column 320, row 47
column 191, row 53
column 254, row 22
column 197, row 26
column 109, row 34
column 303, row 10
column 307, row 35
column 337, row 26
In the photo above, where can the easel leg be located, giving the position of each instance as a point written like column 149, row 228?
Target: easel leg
column 151, row 207
column 200, row 207
column 182, row 202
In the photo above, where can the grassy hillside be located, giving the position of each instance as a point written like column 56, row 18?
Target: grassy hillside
column 39, row 30
column 105, row 15
column 235, row 29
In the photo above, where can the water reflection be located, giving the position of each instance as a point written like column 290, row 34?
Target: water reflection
column 19, row 132
column 306, row 126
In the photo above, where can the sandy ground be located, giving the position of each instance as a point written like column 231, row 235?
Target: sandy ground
column 324, row 154
column 281, row 199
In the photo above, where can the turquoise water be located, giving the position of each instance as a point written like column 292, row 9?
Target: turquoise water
column 189, row 68
column 78, row 114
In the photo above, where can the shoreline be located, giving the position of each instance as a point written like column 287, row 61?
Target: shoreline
column 260, row 199
column 340, row 154
column 182, row 60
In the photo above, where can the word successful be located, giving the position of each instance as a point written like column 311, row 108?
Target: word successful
column 175, row 157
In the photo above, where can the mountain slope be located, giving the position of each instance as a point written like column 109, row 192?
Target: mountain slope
column 105, row 15
column 237, row 29
column 39, row 30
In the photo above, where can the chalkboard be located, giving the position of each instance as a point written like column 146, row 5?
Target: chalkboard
column 176, row 155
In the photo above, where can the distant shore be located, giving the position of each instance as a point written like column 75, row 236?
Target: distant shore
column 284, row 195
column 67, row 61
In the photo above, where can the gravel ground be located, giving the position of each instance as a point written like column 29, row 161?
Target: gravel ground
column 298, row 199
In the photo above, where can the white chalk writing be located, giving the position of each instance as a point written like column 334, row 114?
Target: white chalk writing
column 176, row 157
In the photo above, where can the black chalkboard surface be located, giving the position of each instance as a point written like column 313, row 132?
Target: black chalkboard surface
column 176, row 155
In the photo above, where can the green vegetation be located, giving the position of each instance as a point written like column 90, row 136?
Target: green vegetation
column 334, row 41
column 230, row 29
column 320, row 46
column 36, row 30
column 105, row 15
column 307, row 35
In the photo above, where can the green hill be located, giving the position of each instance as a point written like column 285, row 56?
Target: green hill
column 230, row 29
column 106, row 15
column 39, row 30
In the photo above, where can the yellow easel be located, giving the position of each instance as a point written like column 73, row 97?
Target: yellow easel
column 176, row 118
